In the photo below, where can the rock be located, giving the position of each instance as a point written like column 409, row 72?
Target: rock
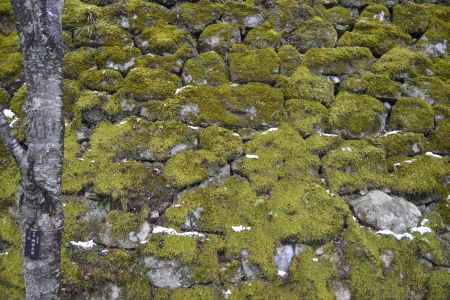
column 283, row 259
column 167, row 273
column 383, row 211
column 249, row 271
column 341, row 291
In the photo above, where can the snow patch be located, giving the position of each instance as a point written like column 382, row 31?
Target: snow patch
column 421, row 229
column 398, row 236
column 227, row 294
column 431, row 154
column 240, row 228
column 392, row 132
column 182, row 88
column 270, row 130
column 252, row 156
column 171, row 231
column 347, row 149
column 83, row 245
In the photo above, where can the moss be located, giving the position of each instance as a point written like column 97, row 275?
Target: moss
column 441, row 68
column 163, row 39
column 10, row 68
column 282, row 154
column 263, row 37
column 199, row 292
column 170, row 63
column 305, row 85
column 170, row 247
column 438, row 285
column 245, row 65
column 74, row 228
column 412, row 114
column 375, row 11
column 9, row 179
column 219, row 37
column 411, row 17
column 355, row 166
column 306, row 116
column 106, row 80
column 401, row 144
column 245, row 14
column 99, row 34
column 376, row 85
column 142, row 14
column 401, row 63
column 338, row 61
column 428, row 88
column 145, row 84
column 437, row 32
column 87, row 102
column 320, row 144
column 77, row 14
column 9, row 43
column 288, row 15
column 439, row 139
column 4, row 98
column 138, row 289
column 11, row 275
column 196, row 16
column 71, row 94
column 122, row 223
column 355, row 115
column 290, row 59
column 190, row 167
column 115, row 57
column 313, row 33
column 340, row 17
column 78, row 61
column 222, row 142
column 378, row 37
column 207, row 68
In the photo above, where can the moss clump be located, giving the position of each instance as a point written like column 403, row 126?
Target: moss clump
column 163, row 39
column 375, row 12
column 207, row 68
column 441, row 68
column 313, row 33
column 282, row 154
column 401, row 63
column 4, row 98
column 439, row 285
column 199, row 292
column 222, row 142
column 288, row 15
column 306, row 116
column 105, row 80
column 355, row 166
column 170, row 247
column 401, row 144
column 9, row 179
column 10, row 68
column 290, row 59
column 219, row 37
column 258, row 289
column 122, row 223
column 434, row 41
column 77, row 14
column 102, row 33
column 376, row 85
column 338, row 61
column 144, row 84
column 356, row 116
column 88, row 101
column 244, row 14
column 412, row 114
column 263, row 37
column 439, row 139
column 190, row 167
column 75, row 229
column 196, row 16
column 340, row 17
column 320, row 144
column 411, row 17
column 170, row 63
column 142, row 14
column 305, row 85
column 115, row 57
column 377, row 36
column 246, row 66
column 429, row 88
column 78, row 61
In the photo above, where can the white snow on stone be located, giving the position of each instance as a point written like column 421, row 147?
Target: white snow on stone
column 282, row 273
column 424, row 222
column 270, row 130
column 235, row 134
column 83, row 245
column 392, row 132
column 4, row 253
column 9, row 113
column 315, row 259
column 123, row 122
column 182, row 88
column 421, row 229
column 171, row 231
column 252, row 156
column 194, row 127
column 227, row 294
column 398, row 236
column 397, row 164
column 431, row 154
column 379, row 17
column 240, row 228
column 328, row 134
column 347, row 149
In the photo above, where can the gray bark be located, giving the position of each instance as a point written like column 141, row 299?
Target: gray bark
column 40, row 161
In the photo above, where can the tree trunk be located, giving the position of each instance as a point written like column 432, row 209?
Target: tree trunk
column 40, row 161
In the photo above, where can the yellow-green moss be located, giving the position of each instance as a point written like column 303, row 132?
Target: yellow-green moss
column 245, row 14
column 10, row 68
column 198, row 292
column 163, row 39
column 219, row 37
column 196, row 16
column 411, row 17
column 306, row 116
column 207, row 68
column 439, row 285
column 222, row 142
column 9, row 178
column 106, row 80
column 290, row 59
column 340, row 16
column 122, row 223
column 102, row 33
column 78, row 61
column 77, row 14
column 320, row 144
column 110, row 57
column 74, row 228
column 375, row 11
column 142, row 14
column 429, row 88
column 412, row 114
column 402, row 144
column 263, row 37
column 313, row 33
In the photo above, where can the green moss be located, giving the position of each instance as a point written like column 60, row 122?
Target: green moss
column 10, row 68
column 412, row 114
column 138, row 289
column 355, row 166
column 246, row 66
column 441, row 68
column 4, row 98
column 163, row 39
column 381, row 86
column 199, row 292
column 101, row 33
column 71, row 94
column 261, row 290
column 305, row 85
column 263, row 37
column 219, row 37
column 74, row 228
column 288, row 15
column 429, row 88
column 340, row 17
column 106, row 80
column 222, row 142
column 245, row 14
column 290, row 59
column 145, row 84
column 190, row 167
column 122, row 223
column 375, row 11
column 77, row 14
column 11, row 275
column 338, row 61
column 320, row 144
column 9, row 178
column 78, row 61
column 313, row 33
column 401, row 63
column 115, row 57
column 411, row 17
column 196, row 16
column 282, row 154
column 142, row 14
column 170, row 247
column 88, row 101
column 9, row 43
column 207, row 68
column 377, row 36
column 306, row 116
column 439, row 285
column 401, row 144
column 439, row 139
column 355, row 115
column 437, row 32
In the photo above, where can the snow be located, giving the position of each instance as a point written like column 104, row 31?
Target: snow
column 227, row 294
column 424, row 222
column 123, row 122
column 171, row 231
column 328, row 134
column 182, row 88
column 84, row 245
column 380, row 16
column 398, row 236
column 315, row 259
column 252, row 156
column 421, row 229
column 347, row 149
column 235, row 134
column 431, row 154
column 270, row 130
column 392, row 132
column 240, row 228
column 282, row 273
column 4, row 253
column 8, row 113
column 194, row 127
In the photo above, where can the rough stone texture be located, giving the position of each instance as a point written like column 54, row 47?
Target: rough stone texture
column 167, row 274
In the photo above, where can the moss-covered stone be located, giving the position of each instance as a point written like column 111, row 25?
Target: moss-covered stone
column 338, row 61
column 207, row 68
column 290, row 59
column 306, row 116
column 439, row 138
column 145, row 84
column 101, row 33
column 10, row 68
column 340, row 17
column 434, row 41
column 171, row 63
column 439, row 285
column 142, row 14
column 303, row 84
column 244, row 14
column 105, row 80
column 402, row 63
column 377, row 12
column 222, row 142
column 401, row 144
column 355, row 166
column 412, row 114
column 379, row 37
column 263, row 36
column 376, row 85
column 441, row 68
column 219, row 37
column 196, row 16
column 288, row 15
column 117, row 58
column 78, row 61
column 77, row 14
column 313, row 33
column 411, row 17
column 431, row 89
column 246, row 66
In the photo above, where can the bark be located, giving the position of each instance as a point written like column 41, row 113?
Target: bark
column 40, row 161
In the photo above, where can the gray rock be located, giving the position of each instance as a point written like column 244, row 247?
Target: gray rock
column 283, row 259
column 188, row 111
column 249, row 271
column 167, row 273
column 383, row 211
column 341, row 291
column 192, row 219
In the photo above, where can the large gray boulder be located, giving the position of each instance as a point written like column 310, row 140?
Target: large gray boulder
column 382, row 211
column 167, row 273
